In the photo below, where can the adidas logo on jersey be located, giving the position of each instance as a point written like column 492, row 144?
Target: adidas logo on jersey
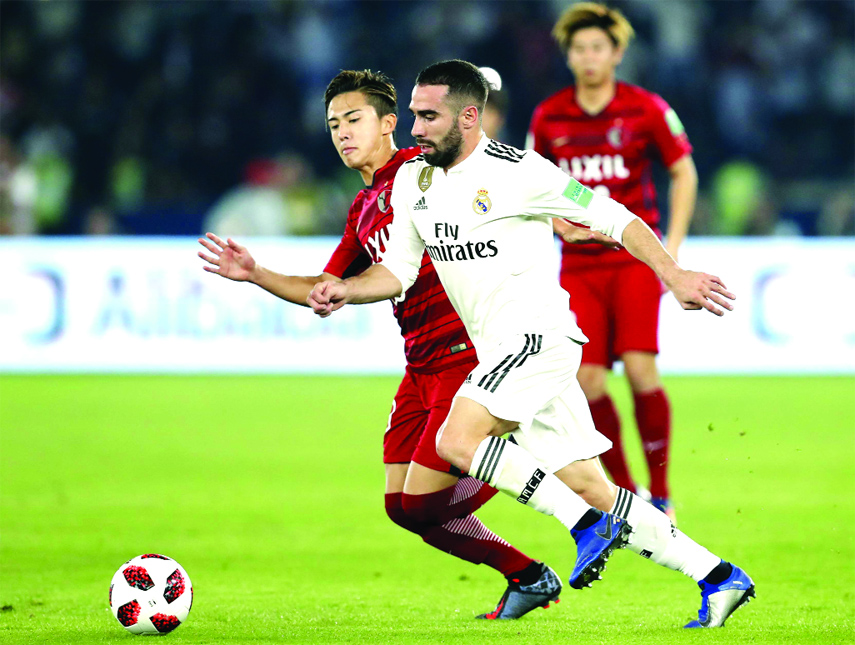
column 421, row 205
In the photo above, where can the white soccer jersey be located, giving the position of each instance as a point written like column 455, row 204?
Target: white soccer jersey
column 486, row 224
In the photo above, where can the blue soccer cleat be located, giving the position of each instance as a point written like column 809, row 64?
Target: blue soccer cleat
column 519, row 599
column 595, row 545
column 719, row 601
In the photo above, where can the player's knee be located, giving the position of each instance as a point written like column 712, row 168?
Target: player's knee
column 398, row 514
column 450, row 446
column 642, row 373
column 444, row 447
column 444, row 441
column 593, row 383
column 418, row 508
column 643, row 382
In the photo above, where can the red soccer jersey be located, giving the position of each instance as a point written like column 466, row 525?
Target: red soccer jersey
column 434, row 336
column 611, row 152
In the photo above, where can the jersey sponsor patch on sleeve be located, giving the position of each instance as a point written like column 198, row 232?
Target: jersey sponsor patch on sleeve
column 674, row 123
column 578, row 193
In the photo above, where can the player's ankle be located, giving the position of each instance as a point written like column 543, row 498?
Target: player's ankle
column 720, row 573
column 527, row 576
column 591, row 517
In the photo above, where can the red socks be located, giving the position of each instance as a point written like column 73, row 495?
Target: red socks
column 460, row 500
column 432, row 517
column 653, row 416
column 395, row 511
column 608, row 424
column 468, row 539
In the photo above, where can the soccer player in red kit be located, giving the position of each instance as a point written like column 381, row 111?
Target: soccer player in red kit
column 424, row 494
column 606, row 134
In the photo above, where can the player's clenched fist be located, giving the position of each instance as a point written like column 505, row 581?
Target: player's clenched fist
column 326, row 297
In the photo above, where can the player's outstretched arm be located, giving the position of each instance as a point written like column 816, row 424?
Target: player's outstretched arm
column 372, row 285
column 233, row 261
column 693, row 290
column 573, row 234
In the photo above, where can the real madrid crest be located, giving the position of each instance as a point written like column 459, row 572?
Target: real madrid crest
column 426, row 177
column 482, row 204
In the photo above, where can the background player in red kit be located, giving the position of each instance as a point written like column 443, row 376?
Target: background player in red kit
column 424, row 494
column 606, row 134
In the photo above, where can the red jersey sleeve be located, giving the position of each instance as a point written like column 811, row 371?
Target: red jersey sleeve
column 535, row 139
column 350, row 257
column 669, row 136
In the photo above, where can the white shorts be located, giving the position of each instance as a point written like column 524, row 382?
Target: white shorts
column 531, row 379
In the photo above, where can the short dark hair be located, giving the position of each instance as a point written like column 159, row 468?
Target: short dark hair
column 376, row 86
column 466, row 84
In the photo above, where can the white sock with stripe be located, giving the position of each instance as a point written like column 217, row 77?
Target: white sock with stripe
column 655, row 538
column 515, row 472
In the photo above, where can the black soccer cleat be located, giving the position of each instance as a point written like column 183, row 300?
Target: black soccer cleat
column 519, row 599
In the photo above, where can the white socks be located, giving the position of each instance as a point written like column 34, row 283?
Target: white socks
column 656, row 538
column 514, row 471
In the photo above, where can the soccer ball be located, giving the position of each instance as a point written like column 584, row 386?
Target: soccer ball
column 151, row 594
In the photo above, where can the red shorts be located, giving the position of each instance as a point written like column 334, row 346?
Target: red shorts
column 419, row 409
column 616, row 305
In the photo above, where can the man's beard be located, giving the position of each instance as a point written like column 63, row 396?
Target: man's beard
column 448, row 149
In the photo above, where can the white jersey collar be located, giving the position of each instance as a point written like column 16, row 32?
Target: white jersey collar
column 482, row 145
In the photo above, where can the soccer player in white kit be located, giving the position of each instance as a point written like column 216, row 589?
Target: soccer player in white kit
column 483, row 211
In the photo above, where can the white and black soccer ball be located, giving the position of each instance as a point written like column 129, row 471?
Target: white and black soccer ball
column 151, row 594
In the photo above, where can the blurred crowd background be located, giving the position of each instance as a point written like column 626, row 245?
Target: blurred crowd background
column 171, row 118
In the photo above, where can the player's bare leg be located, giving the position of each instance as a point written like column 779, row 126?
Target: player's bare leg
column 396, row 475
column 641, row 371
column 470, row 439
column 421, row 480
column 430, row 497
column 588, row 480
column 653, row 418
column 725, row 587
column 467, row 426
column 592, row 378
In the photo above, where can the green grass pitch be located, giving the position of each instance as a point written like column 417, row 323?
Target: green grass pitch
column 269, row 490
